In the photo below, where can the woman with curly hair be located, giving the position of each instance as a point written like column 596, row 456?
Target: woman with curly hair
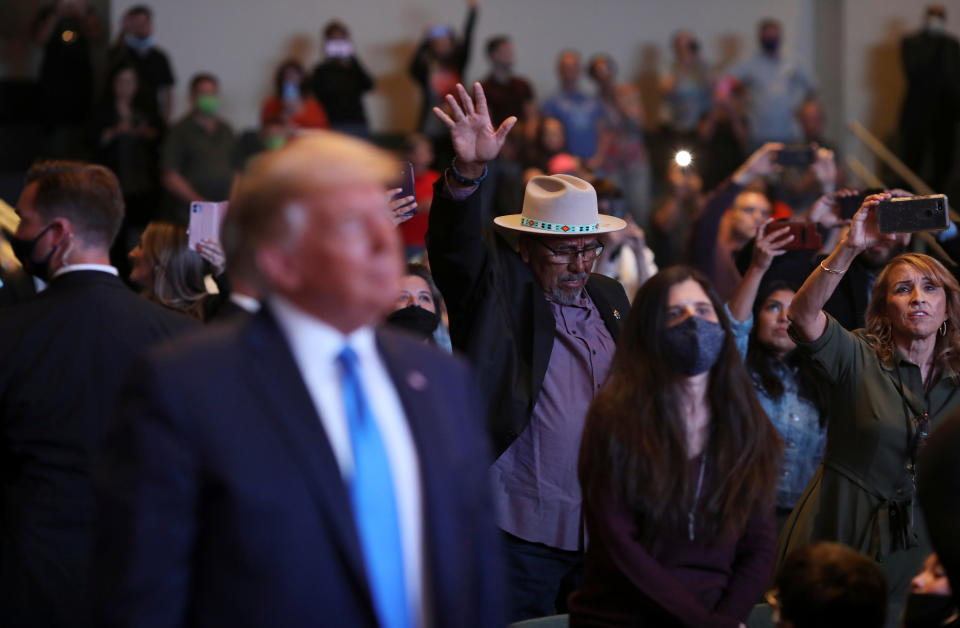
column 889, row 386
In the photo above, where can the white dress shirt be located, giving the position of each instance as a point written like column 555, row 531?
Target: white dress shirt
column 69, row 268
column 315, row 346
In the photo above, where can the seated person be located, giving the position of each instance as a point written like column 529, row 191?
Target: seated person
column 930, row 602
column 420, row 309
column 829, row 585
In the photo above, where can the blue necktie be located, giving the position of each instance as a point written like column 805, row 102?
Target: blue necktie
column 374, row 502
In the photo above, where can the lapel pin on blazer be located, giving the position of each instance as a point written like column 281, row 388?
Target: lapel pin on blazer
column 616, row 314
column 417, row 380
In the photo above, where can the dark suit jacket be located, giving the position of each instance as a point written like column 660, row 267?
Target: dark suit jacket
column 223, row 505
column 499, row 317
column 63, row 357
column 939, row 484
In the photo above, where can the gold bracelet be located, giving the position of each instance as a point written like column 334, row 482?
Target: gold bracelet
column 832, row 271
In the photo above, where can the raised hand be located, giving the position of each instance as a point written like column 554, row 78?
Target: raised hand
column 401, row 209
column 212, row 251
column 475, row 141
column 864, row 231
column 761, row 163
column 769, row 245
column 825, row 169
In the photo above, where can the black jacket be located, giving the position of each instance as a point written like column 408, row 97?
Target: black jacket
column 499, row 317
column 63, row 357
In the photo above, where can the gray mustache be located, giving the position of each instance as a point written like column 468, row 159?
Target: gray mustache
column 573, row 276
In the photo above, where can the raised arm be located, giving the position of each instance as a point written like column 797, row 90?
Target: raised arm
column 806, row 311
column 768, row 245
column 455, row 244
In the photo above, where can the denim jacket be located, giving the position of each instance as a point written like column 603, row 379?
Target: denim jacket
column 796, row 419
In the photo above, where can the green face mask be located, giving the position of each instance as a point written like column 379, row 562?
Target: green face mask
column 273, row 142
column 208, row 104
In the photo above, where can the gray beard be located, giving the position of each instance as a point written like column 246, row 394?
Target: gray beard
column 568, row 297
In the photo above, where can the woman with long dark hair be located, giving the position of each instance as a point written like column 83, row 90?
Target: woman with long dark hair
column 678, row 466
column 785, row 382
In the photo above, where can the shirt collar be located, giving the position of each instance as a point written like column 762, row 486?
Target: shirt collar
column 103, row 268
column 245, row 302
column 310, row 336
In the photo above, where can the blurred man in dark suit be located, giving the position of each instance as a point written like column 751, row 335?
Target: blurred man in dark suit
column 301, row 467
column 928, row 120
column 63, row 356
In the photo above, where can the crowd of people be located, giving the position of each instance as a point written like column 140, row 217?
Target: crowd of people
column 539, row 373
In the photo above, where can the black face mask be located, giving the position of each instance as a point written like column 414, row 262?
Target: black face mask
column 770, row 45
column 23, row 251
column 694, row 345
column 416, row 320
column 928, row 610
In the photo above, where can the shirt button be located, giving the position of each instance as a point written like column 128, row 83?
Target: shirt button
column 594, row 351
column 791, row 444
column 785, row 473
column 794, row 417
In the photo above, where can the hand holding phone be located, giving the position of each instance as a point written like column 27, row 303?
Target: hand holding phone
column 913, row 213
column 205, row 221
column 796, row 156
column 805, row 237
column 406, row 187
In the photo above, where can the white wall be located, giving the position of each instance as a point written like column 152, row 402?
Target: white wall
column 242, row 40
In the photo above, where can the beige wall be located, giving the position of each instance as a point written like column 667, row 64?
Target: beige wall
column 242, row 40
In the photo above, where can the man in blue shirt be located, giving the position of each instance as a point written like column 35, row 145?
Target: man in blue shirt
column 579, row 112
column 776, row 87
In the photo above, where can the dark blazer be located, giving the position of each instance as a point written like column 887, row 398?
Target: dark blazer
column 63, row 357
column 499, row 317
column 939, row 484
column 222, row 503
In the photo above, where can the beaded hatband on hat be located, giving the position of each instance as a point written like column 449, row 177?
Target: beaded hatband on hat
column 560, row 204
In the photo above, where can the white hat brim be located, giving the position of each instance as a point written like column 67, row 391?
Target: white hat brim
column 607, row 225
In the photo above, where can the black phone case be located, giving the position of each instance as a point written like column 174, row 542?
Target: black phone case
column 912, row 214
column 795, row 156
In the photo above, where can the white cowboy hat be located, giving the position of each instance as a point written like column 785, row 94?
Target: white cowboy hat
column 560, row 205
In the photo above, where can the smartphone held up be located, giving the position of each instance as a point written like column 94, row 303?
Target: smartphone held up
column 406, row 185
column 913, row 213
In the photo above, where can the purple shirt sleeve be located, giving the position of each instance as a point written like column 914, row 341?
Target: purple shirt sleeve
column 753, row 563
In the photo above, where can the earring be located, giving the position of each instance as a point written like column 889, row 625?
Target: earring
column 943, row 328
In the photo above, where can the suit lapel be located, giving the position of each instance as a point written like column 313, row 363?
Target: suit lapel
column 611, row 315
column 544, row 329
column 275, row 381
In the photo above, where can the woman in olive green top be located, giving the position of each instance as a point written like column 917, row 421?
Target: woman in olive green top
column 891, row 383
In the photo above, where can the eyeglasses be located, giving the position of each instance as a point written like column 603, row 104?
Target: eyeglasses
column 568, row 254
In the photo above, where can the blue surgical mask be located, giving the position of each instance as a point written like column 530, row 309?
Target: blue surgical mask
column 694, row 345
column 290, row 92
column 140, row 44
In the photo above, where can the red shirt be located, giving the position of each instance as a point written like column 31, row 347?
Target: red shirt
column 414, row 230
column 310, row 115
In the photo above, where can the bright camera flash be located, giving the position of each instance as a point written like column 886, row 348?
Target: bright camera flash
column 683, row 158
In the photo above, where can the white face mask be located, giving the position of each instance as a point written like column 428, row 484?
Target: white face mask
column 936, row 24
column 338, row 48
